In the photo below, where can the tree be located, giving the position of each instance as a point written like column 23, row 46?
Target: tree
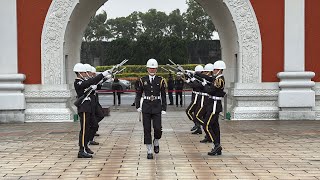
column 124, row 27
column 176, row 24
column 154, row 23
column 96, row 30
column 199, row 24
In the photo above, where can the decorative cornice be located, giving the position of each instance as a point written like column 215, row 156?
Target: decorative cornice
column 256, row 116
column 255, row 92
column 47, row 94
column 47, row 117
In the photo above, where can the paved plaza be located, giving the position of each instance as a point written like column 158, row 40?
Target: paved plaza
column 252, row 150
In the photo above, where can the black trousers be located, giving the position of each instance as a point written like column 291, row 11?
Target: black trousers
column 170, row 94
column 86, row 131
column 212, row 127
column 190, row 111
column 98, row 116
column 180, row 95
column 157, row 127
column 114, row 98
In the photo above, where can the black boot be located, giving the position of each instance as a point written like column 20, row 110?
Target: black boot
column 217, row 150
column 198, row 131
column 150, row 156
column 82, row 154
column 205, row 140
column 88, row 150
column 156, row 149
column 194, row 128
column 93, row 143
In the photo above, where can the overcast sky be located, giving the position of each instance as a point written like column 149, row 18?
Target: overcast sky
column 120, row 8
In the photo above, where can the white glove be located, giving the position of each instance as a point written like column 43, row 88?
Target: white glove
column 106, row 72
column 204, row 82
column 163, row 112
column 193, row 79
column 108, row 76
column 93, row 87
column 188, row 81
column 139, row 110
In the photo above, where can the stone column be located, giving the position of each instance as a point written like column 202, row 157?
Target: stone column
column 12, row 100
column 296, row 97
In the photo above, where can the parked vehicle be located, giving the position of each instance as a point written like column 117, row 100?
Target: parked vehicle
column 126, row 85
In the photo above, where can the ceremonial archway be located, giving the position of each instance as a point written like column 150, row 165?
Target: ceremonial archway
column 61, row 40
column 235, row 21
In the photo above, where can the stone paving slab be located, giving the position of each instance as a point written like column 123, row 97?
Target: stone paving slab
column 252, row 150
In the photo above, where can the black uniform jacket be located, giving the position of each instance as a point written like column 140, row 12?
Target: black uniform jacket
column 80, row 86
column 216, row 88
column 157, row 88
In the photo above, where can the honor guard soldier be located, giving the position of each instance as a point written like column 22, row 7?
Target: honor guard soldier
column 195, row 100
column 204, row 99
column 99, row 110
column 85, row 108
column 216, row 94
column 152, row 89
column 98, row 113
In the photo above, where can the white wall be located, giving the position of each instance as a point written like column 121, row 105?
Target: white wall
column 8, row 42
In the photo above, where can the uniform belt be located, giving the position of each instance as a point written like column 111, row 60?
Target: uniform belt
column 151, row 98
column 215, row 98
column 200, row 93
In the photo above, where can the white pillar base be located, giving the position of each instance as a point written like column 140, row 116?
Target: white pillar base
column 48, row 103
column 296, row 97
column 254, row 101
column 317, row 106
column 12, row 100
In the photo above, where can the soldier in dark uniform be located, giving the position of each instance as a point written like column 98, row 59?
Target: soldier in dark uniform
column 195, row 100
column 178, row 85
column 152, row 89
column 201, row 110
column 98, row 108
column 170, row 88
column 216, row 94
column 86, row 109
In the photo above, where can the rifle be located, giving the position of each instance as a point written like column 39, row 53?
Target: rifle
column 114, row 70
column 189, row 73
column 168, row 70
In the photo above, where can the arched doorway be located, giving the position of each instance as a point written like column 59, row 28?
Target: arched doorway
column 235, row 21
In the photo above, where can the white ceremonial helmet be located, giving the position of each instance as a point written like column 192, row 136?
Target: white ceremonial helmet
column 79, row 67
column 208, row 67
column 152, row 63
column 88, row 67
column 198, row 68
column 93, row 69
column 219, row 65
